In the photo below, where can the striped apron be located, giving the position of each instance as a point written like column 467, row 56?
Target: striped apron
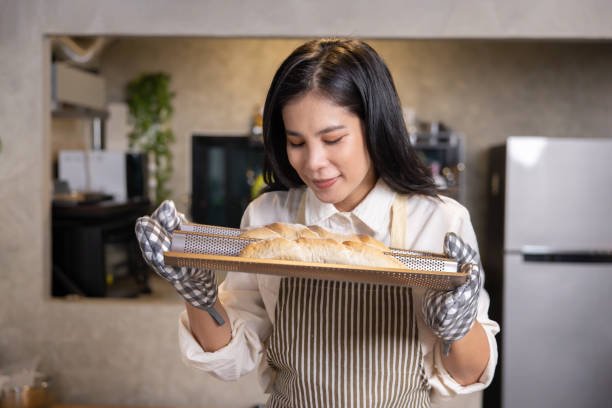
column 346, row 344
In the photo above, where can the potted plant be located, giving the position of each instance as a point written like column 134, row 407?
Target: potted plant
column 150, row 109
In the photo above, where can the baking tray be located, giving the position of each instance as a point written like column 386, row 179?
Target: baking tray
column 218, row 248
column 234, row 232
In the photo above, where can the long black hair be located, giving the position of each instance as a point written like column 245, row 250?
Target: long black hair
column 351, row 74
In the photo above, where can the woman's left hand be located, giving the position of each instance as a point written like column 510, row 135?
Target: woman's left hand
column 451, row 314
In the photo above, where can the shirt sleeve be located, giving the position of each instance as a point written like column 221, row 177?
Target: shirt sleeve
column 251, row 325
column 443, row 385
column 240, row 296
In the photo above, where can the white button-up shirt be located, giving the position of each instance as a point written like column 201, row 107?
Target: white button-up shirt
column 250, row 299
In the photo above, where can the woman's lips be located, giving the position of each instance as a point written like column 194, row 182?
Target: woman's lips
column 326, row 183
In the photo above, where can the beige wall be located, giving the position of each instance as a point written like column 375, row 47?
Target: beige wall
column 112, row 352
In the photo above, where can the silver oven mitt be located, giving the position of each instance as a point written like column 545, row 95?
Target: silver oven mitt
column 196, row 286
column 451, row 314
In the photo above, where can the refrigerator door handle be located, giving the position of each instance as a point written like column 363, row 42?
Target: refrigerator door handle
column 543, row 254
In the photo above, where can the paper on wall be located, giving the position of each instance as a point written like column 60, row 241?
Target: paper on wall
column 72, row 168
column 107, row 173
column 99, row 171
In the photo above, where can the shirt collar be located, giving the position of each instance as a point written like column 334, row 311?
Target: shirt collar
column 373, row 210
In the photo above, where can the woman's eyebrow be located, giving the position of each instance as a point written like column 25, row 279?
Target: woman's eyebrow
column 320, row 132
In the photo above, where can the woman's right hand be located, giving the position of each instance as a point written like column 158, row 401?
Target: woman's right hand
column 197, row 286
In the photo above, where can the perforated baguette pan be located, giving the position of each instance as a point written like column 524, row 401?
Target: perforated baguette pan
column 206, row 250
column 234, row 232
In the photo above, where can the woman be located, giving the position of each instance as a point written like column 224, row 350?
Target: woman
column 337, row 155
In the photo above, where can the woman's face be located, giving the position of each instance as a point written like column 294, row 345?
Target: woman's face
column 327, row 148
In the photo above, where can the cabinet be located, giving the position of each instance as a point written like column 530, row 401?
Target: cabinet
column 224, row 170
column 82, row 237
column 443, row 153
column 76, row 93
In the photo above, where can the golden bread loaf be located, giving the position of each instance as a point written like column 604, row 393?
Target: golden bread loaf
column 260, row 233
column 280, row 229
column 368, row 240
column 315, row 244
column 291, row 231
column 295, row 231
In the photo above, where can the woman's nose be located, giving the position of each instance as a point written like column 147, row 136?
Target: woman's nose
column 316, row 157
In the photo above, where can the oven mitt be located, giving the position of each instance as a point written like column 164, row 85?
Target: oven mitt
column 197, row 286
column 167, row 216
column 451, row 314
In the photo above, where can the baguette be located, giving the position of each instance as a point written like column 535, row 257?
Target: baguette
column 296, row 231
column 368, row 240
column 364, row 254
column 280, row 229
column 323, row 233
column 275, row 248
column 260, row 233
column 292, row 231
column 320, row 250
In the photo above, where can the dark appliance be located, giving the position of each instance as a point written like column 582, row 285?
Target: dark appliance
column 136, row 175
column 94, row 249
column 224, row 170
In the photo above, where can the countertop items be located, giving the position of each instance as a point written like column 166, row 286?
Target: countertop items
column 94, row 247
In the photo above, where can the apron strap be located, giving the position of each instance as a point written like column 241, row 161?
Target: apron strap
column 399, row 215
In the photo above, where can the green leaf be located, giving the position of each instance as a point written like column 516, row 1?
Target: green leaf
column 149, row 102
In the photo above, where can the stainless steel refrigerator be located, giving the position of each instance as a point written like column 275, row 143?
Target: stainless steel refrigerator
column 548, row 259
